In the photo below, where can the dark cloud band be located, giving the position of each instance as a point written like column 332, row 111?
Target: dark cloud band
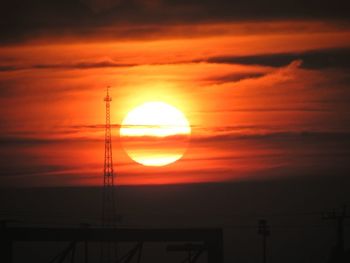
column 21, row 19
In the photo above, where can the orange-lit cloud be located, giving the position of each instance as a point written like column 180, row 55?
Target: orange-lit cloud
column 262, row 99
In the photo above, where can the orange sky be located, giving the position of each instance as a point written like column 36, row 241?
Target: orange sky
column 263, row 99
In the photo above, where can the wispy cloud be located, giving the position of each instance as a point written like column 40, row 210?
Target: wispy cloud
column 106, row 63
column 313, row 59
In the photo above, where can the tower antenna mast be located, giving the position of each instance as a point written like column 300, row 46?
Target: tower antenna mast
column 108, row 252
column 108, row 172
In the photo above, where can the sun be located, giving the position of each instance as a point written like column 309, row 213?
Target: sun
column 155, row 134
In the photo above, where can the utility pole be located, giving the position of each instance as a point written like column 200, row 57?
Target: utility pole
column 339, row 218
column 264, row 230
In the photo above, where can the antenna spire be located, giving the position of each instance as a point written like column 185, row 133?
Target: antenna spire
column 108, row 98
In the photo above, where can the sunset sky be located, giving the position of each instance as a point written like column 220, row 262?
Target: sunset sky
column 265, row 88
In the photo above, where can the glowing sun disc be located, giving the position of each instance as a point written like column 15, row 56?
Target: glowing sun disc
column 155, row 134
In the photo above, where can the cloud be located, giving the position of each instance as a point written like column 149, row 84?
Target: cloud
column 336, row 58
column 313, row 59
column 98, row 6
column 107, row 63
column 21, row 141
column 87, row 64
column 8, row 68
column 234, row 77
column 300, row 136
column 34, row 170
column 243, row 154
column 212, row 134
column 23, row 19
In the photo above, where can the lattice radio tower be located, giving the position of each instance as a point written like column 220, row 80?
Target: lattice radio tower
column 108, row 251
